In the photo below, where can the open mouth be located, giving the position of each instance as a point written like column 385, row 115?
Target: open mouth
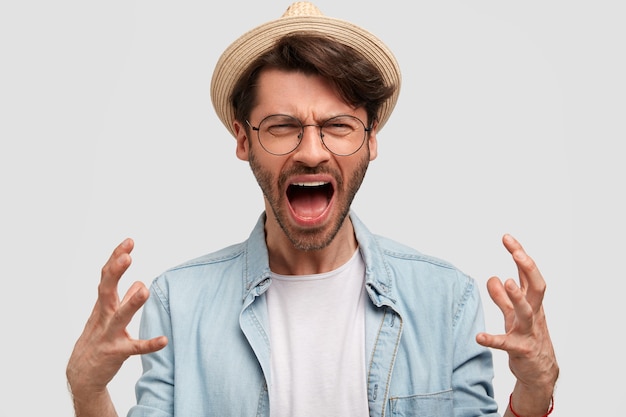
column 309, row 200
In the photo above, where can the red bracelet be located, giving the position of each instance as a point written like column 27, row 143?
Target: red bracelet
column 517, row 415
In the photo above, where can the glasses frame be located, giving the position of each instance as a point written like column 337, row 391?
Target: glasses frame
column 366, row 130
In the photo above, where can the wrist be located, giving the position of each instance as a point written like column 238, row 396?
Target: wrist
column 546, row 414
column 531, row 401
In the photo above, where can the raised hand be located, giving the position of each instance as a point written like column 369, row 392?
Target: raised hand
column 527, row 340
column 105, row 344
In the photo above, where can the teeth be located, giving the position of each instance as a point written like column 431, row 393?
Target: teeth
column 310, row 184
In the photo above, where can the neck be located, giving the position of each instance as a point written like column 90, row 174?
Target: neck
column 286, row 259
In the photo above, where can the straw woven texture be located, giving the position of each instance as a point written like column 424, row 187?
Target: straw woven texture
column 299, row 17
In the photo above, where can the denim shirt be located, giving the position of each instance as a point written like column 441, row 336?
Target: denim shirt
column 422, row 357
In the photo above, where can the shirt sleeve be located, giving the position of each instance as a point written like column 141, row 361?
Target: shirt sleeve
column 155, row 388
column 472, row 377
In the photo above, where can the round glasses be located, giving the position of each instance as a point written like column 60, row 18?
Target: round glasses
column 280, row 134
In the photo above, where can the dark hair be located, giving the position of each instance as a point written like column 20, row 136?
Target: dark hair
column 355, row 78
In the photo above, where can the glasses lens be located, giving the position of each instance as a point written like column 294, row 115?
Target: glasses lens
column 280, row 134
column 343, row 135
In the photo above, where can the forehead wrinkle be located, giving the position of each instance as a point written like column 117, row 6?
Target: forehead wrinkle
column 311, row 99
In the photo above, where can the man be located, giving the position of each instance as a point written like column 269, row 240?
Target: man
column 313, row 314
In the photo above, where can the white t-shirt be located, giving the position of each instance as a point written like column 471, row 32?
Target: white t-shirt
column 317, row 337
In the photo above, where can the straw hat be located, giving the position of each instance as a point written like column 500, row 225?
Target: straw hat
column 299, row 17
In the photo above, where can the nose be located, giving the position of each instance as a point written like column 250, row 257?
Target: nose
column 311, row 151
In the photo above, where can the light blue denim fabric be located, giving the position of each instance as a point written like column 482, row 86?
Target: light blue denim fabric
column 422, row 358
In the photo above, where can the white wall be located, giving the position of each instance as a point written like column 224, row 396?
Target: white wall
column 511, row 119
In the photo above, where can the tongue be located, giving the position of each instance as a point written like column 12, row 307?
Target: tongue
column 308, row 203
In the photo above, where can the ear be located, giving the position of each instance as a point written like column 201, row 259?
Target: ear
column 372, row 142
column 243, row 144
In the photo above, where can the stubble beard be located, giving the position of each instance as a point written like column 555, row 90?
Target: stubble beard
column 313, row 238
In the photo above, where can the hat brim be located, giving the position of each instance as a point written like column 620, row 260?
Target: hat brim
column 259, row 40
